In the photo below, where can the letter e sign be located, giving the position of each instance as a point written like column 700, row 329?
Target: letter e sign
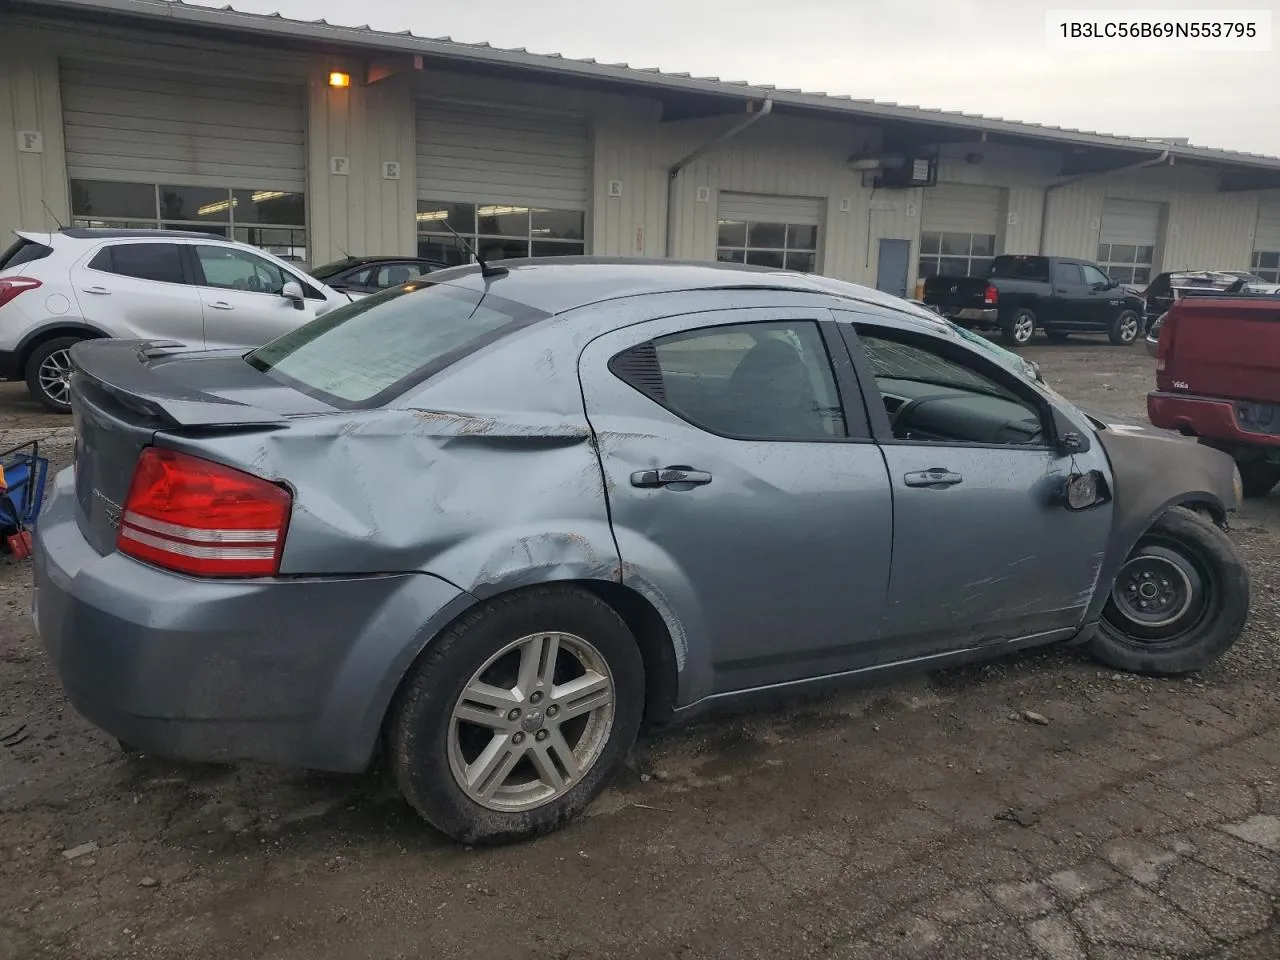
column 30, row 141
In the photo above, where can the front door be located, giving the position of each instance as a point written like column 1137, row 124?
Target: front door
column 892, row 267
column 743, row 496
column 240, row 295
column 983, row 549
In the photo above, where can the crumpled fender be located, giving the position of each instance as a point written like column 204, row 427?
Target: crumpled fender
column 1152, row 471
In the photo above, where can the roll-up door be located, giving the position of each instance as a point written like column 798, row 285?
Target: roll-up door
column 959, row 224
column 769, row 231
column 146, row 125
column 1127, row 239
column 1266, row 241
column 484, row 155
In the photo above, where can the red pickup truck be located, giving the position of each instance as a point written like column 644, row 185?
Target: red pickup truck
column 1218, row 378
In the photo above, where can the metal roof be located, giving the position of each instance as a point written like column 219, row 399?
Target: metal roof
column 178, row 13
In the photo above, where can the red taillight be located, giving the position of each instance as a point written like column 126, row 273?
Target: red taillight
column 10, row 287
column 990, row 295
column 199, row 517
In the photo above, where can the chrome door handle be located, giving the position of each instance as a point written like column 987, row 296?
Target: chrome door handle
column 933, row 477
column 97, row 290
column 221, row 305
column 669, row 475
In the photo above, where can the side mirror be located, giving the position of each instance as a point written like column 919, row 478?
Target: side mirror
column 1084, row 490
column 292, row 291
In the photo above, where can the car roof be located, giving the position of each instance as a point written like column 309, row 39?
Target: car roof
column 114, row 233
column 557, row 284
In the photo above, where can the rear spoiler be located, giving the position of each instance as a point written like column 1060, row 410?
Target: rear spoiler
column 122, row 369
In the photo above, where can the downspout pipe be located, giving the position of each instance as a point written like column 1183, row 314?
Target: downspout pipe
column 766, row 107
column 1156, row 161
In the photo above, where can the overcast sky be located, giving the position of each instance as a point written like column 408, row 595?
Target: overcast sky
column 980, row 56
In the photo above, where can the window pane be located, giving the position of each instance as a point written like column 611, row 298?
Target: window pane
column 730, row 256
column 1141, row 274
column 558, row 224
column 550, row 248
column 802, row 237
column 99, row 198
column 286, row 244
column 1268, row 260
column 979, row 266
column 984, row 245
column 503, row 220
column 269, row 206
column 358, row 351
column 1122, row 253
column 237, row 270
column 146, row 261
column 1146, row 254
column 493, row 249
column 761, row 381
column 444, row 249
column 766, row 235
column 955, row 244
column 953, row 266
column 213, row 230
column 732, row 233
column 800, row 260
column 120, row 224
column 930, row 243
column 928, row 268
column 764, row 258
column 195, row 203
column 432, row 214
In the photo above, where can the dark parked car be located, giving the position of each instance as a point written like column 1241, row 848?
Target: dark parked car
column 1218, row 379
column 485, row 525
column 371, row 274
column 1166, row 288
column 1020, row 294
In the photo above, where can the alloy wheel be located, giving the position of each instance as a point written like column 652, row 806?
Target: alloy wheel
column 55, row 376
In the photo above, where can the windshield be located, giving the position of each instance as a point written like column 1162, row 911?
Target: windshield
column 367, row 352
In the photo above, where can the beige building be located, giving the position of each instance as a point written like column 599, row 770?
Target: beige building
column 316, row 141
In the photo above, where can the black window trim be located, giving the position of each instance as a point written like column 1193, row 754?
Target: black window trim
column 874, row 403
column 188, row 280
column 848, row 394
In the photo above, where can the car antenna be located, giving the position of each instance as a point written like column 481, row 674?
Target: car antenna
column 485, row 269
column 52, row 216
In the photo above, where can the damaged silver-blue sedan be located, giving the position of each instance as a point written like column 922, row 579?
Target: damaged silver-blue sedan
column 485, row 525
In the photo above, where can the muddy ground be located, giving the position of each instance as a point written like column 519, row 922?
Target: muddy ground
column 930, row 818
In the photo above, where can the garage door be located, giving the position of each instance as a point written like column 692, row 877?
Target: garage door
column 132, row 124
column 516, row 183
column 769, row 230
column 1266, row 241
column 959, row 224
column 1127, row 239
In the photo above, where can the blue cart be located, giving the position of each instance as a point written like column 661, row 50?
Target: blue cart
column 22, row 478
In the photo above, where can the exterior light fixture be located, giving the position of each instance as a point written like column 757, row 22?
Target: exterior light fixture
column 339, row 79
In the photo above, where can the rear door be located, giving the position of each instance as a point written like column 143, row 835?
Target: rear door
column 742, row 491
column 139, row 288
column 240, row 293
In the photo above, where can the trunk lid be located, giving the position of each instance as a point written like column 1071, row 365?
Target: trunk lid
column 123, row 392
column 955, row 293
column 1222, row 347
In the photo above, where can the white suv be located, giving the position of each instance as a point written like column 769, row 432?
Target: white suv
column 59, row 288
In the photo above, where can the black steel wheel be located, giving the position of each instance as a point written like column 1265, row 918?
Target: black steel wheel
column 1179, row 601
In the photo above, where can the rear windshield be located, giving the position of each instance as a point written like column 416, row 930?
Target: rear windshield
column 23, row 251
column 367, row 352
column 329, row 269
column 1020, row 268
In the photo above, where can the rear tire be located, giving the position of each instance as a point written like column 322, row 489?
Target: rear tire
column 1258, row 477
column 489, row 753
column 1125, row 328
column 48, row 373
column 1017, row 329
column 1179, row 602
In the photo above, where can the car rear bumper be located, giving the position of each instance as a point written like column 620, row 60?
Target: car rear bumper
column 297, row 671
column 1207, row 417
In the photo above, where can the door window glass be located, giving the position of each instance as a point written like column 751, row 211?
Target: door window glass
column 394, row 274
column 1093, row 275
column 757, row 381
column 161, row 262
column 932, row 396
column 1068, row 275
column 231, row 269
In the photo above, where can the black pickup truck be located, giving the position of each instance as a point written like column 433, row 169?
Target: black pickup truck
column 1058, row 295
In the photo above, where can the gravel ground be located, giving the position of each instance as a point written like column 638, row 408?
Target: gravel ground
column 929, row 818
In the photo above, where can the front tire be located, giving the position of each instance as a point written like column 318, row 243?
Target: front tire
column 48, row 373
column 515, row 718
column 1018, row 328
column 1179, row 602
column 1125, row 328
column 1258, row 478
